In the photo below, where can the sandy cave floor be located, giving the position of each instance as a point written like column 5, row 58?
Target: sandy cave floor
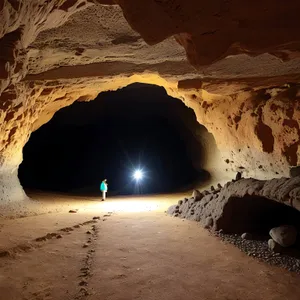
column 134, row 251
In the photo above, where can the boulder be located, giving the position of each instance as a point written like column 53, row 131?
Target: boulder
column 246, row 236
column 197, row 195
column 284, row 235
column 273, row 246
column 208, row 223
column 238, row 176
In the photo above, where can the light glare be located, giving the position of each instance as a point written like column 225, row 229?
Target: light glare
column 138, row 175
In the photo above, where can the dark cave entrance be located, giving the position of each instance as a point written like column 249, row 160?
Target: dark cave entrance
column 139, row 126
column 256, row 215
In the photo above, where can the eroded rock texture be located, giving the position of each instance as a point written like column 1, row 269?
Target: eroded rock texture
column 235, row 63
column 246, row 205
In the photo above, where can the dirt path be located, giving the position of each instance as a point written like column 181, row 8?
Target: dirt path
column 134, row 255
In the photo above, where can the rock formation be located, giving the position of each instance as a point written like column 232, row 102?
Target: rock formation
column 235, row 63
column 246, row 205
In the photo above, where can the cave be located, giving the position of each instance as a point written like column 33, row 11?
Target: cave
column 257, row 215
column 203, row 96
column 137, row 127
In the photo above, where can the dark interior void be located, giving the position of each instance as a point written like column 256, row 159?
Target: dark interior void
column 139, row 126
column 256, row 215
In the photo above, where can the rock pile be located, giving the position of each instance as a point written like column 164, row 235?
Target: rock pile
column 213, row 208
column 215, row 211
column 259, row 248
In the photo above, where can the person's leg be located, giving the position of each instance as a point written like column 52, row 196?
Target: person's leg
column 103, row 195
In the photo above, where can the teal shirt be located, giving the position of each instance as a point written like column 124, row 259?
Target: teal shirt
column 103, row 187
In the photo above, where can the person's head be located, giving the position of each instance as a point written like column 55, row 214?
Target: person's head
column 105, row 180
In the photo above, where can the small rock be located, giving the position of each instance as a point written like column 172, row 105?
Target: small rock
column 51, row 235
column 197, row 195
column 88, row 232
column 212, row 188
column 59, row 236
column 85, row 245
column 285, row 235
column 84, row 291
column 83, row 282
column 96, row 218
column 180, row 202
column 227, row 184
column 67, row 229
column 219, row 186
column 246, row 236
column 273, row 246
column 238, row 176
column 208, row 223
column 76, row 226
column 73, row 211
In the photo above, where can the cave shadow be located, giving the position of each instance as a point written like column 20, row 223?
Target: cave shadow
column 258, row 215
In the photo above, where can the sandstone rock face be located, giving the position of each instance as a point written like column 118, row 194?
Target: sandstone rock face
column 241, row 75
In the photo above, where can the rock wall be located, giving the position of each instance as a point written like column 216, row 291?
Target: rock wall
column 242, row 205
column 242, row 80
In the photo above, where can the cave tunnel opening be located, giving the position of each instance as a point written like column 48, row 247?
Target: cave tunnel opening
column 139, row 126
column 257, row 215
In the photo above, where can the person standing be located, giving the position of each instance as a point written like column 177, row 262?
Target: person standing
column 103, row 188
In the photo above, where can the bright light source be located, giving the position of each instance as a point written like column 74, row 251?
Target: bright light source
column 138, row 175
